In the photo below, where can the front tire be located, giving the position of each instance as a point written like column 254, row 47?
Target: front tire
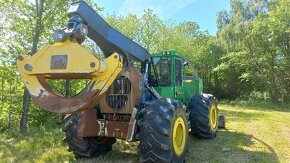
column 203, row 116
column 90, row 147
column 163, row 132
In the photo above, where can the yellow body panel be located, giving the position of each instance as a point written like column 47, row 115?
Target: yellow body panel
column 76, row 62
column 187, row 81
column 78, row 59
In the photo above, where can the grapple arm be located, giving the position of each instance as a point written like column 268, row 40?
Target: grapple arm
column 67, row 60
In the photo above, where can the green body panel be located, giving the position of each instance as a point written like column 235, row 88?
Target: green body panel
column 165, row 92
column 178, row 86
column 191, row 87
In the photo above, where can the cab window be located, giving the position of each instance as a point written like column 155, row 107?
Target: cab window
column 163, row 72
column 178, row 79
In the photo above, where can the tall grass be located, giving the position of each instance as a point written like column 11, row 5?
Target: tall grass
column 255, row 133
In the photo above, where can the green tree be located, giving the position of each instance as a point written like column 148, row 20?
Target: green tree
column 28, row 26
column 150, row 26
column 254, row 50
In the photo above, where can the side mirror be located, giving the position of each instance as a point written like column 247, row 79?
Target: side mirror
column 185, row 63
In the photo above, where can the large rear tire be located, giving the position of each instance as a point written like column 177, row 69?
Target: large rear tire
column 89, row 147
column 203, row 116
column 163, row 132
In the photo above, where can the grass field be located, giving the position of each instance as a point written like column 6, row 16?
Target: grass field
column 253, row 134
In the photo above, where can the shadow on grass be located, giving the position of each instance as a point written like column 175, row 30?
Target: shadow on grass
column 239, row 114
column 112, row 157
column 122, row 152
column 230, row 147
column 227, row 147
column 263, row 106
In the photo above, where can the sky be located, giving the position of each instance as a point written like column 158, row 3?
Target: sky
column 204, row 12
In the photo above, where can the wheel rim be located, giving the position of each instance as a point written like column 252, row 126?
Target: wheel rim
column 213, row 116
column 179, row 136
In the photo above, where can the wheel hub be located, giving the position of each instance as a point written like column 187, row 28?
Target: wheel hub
column 179, row 136
column 213, row 116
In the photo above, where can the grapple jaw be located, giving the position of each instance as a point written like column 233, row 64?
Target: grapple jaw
column 67, row 60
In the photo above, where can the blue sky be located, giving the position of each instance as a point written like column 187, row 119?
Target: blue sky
column 201, row 11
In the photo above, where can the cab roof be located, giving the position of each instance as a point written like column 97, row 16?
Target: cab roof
column 165, row 53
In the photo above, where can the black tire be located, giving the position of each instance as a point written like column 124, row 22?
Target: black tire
column 201, row 108
column 158, row 123
column 89, row 147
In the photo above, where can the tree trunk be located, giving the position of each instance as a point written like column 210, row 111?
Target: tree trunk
column 272, row 82
column 26, row 97
column 10, row 106
column 2, row 93
column 24, row 117
column 67, row 94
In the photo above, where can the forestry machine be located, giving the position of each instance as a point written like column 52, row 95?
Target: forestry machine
column 132, row 95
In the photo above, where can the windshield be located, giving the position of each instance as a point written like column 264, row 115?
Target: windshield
column 163, row 72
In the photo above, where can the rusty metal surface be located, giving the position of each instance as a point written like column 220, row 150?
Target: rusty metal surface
column 135, row 77
column 131, row 133
column 113, row 129
column 51, row 101
column 88, row 126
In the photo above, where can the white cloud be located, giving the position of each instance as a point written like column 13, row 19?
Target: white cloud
column 163, row 8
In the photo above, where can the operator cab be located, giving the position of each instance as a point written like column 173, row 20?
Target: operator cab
column 173, row 77
column 166, row 73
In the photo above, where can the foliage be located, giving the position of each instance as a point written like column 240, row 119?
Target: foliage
column 255, row 38
column 25, row 27
column 11, row 87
